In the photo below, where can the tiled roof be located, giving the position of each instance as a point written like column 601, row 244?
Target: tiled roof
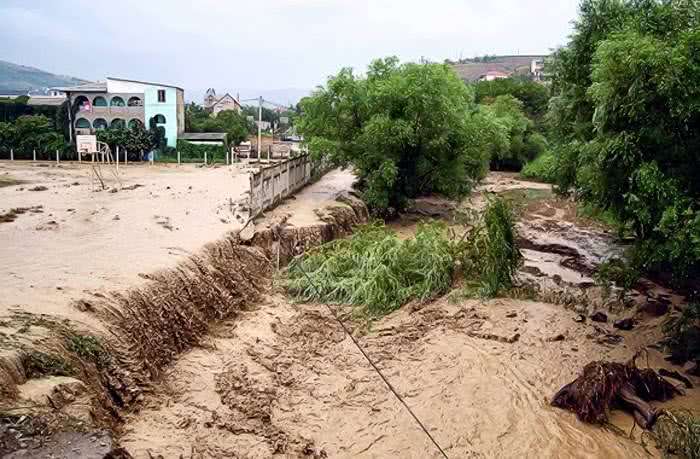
column 100, row 86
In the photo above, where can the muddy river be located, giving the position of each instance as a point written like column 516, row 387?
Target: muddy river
column 284, row 380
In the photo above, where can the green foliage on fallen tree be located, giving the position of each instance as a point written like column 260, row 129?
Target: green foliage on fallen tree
column 379, row 272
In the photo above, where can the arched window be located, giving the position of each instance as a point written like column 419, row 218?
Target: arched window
column 160, row 119
column 100, row 123
column 135, row 102
column 117, row 102
column 82, row 102
column 99, row 101
column 82, row 123
column 118, row 123
column 134, row 123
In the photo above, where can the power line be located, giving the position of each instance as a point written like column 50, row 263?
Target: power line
column 381, row 375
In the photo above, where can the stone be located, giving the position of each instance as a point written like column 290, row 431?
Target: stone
column 580, row 318
column 599, row 317
column 655, row 308
column 559, row 337
column 624, row 324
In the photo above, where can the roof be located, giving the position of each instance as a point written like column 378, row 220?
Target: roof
column 46, row 100
column 100, row 86
column 496, row 73
column 203, row 136
column 145, row 82
column 224, row 97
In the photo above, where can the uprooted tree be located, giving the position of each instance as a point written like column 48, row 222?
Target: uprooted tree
column 406, row 129
column 606, row 385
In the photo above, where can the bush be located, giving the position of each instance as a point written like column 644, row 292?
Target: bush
column 542, row 168
column 192, row 152
column 490, row 252
column 683, row 335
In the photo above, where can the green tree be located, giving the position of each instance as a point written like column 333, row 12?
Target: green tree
column 627, row 119
column 534, row 96
column 407, row 130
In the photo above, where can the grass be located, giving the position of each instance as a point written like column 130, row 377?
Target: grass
column 89, row 348
column 678, row 432
column 38, row 364
column 378, row 272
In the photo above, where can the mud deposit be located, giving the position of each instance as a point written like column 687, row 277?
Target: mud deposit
column 283, row 380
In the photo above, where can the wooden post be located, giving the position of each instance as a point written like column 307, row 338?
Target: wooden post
column 178, row 157
column 117, row 162
column 205, row 158
column 12, row 154
column 126, row 156
column 227, row 157
column 34, row 155
column 151, row 156
column 58, row 160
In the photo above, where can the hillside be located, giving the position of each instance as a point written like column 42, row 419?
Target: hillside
column 471, row 71
column 19, row 79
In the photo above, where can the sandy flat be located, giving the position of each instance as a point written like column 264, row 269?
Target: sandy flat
column 82, row 241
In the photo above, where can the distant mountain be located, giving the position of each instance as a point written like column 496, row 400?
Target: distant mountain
column 19, row 79
column 472, row 70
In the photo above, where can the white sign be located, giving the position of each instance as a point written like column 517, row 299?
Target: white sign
column 86, row 143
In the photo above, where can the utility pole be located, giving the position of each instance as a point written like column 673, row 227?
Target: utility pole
column 260, row 100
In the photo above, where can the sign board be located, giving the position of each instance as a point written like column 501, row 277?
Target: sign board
column 86, row 143
column 250, row 118
column 284, row 120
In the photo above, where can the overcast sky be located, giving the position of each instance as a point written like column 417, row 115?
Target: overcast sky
column 268, row 44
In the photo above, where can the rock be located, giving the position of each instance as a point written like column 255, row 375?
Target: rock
column 116, row 217
column 559, row 337
column 624, row 324
column 432, row 207
column 580, row 318
column 512, row 314
column 599, row 317
column 655, row 308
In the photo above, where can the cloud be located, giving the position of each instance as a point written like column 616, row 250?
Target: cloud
column 271, row 44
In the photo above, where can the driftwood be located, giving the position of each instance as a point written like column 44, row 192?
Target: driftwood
column 606, row 385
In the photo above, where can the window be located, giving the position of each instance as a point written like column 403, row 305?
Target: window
column 118, row 123
column 117, row 102
column 159, row 119
column 99, row 101
column 134, row 102
column 99, row 123
column 134, row 123
column 82, row 123
column 161, row 95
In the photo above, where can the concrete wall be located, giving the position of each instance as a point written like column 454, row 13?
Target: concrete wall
column 168, row 109
column 273, row 183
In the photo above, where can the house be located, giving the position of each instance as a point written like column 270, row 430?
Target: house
column 537, row 69
column 216, row 104
column 492, row 75
column 119, row 102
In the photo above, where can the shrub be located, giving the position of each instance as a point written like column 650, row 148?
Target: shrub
column 683, row 335
column 542, row 168
column 678, row 432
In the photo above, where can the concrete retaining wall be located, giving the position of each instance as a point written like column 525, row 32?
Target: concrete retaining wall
column 271, row 184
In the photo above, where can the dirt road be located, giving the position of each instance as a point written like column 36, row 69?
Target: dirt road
column 284, row 380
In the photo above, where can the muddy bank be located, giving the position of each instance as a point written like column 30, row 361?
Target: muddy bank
column 149, row 326
column 283, row 380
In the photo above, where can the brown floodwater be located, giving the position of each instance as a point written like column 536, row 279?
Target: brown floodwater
column 284, row 380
